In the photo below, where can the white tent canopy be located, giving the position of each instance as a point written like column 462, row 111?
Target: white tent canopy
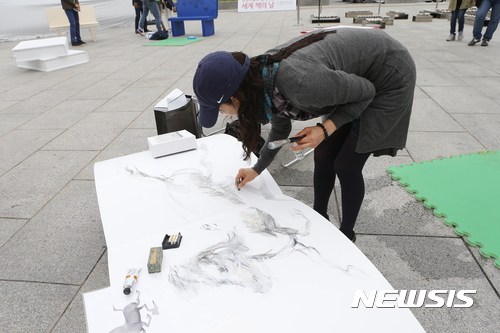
column 25, row 19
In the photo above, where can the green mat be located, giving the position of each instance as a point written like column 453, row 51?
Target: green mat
column 173, row 42
column 465, row 191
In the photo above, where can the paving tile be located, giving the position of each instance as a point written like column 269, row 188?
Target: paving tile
column 103, row 89
column 77, row 82
column 110, row 66
column 298, row 174
column 25, row 189
column 72, row 320
column 6, row 104
column 17, row 77
column 64, row 115
column 467, row 68
column 484, row 127
column 486, row 85
column 487, row 266
column 146, row 119
column 61, row 244
column 10, row 121
column 133, row 99
column 94, row 132
column 33, row 307
column 426, row 146
column 427, row 115
column 8, row 228
column 305, row 194
column 468, row 100
column 130, row 141
column 437, row 77
column 18, row 145
column 38, row 103
column 411, row 263
column 29, row 88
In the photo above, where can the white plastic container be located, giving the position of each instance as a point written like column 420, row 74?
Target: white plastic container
column 72, row 58
column 41, row 49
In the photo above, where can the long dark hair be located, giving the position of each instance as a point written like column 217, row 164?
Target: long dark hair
column 250, row 94
column 251, row 91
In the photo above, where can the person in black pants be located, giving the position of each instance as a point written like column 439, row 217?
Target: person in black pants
column 138, row 13
column 360, row 82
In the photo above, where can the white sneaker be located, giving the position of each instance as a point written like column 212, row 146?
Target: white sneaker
column 460, row 35
column 451, row 38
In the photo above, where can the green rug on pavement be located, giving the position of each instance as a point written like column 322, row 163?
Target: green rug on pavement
column 173, row 42
column 465, row 191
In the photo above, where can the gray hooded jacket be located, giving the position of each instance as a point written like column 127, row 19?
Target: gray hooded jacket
column 354, row 73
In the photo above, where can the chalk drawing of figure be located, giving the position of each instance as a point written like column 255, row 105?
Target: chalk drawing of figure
column 232, row 262
column 132, row 314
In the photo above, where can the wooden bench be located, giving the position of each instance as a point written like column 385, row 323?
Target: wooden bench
column 195, row 10
column 58, row 20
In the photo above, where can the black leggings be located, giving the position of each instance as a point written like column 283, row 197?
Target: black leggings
column 336, row 156
column 138, row 14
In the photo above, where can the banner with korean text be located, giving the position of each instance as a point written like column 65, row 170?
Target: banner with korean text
column 265, row 5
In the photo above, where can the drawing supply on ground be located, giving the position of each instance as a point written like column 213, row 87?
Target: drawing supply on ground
column 299, row 154
column 171, row 241
column 155, row 260
column 280, row 143
column 130, row 280
column 171, row 143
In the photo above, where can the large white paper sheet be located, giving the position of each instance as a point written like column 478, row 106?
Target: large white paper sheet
column 142, row 195
column 253, row 260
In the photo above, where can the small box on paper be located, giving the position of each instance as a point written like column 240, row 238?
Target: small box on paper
column 171, row 143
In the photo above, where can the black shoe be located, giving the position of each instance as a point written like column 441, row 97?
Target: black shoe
column 350, row 234
column 82, row 42
column 77, row 44
column 485, row 42
column 474, row 42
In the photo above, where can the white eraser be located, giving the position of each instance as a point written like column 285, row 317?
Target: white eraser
column 171, row 143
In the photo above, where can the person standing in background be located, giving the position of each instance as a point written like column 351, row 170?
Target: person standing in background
column 164, row 7
column 482, row 11
column 138, row 13
column 147, row 6
column 71, row 8
column 458, row 9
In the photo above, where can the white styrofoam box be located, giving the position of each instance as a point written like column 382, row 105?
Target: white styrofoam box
column 171, row 143
column 41, row 49
column 71, row 59
column 174, row 100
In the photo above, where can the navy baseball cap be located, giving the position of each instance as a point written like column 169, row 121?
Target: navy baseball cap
column 217, row 78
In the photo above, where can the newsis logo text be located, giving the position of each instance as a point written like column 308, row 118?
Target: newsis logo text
column 413, row 298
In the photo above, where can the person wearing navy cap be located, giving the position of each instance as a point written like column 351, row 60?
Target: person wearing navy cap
column 360, row 81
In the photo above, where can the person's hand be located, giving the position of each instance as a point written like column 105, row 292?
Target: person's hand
column 136, row 5
column 174, row 9
column 77, row 6
column 245, row 176
column 314, row 136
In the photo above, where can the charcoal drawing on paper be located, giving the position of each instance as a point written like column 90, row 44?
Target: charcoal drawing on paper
column 234, row 261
